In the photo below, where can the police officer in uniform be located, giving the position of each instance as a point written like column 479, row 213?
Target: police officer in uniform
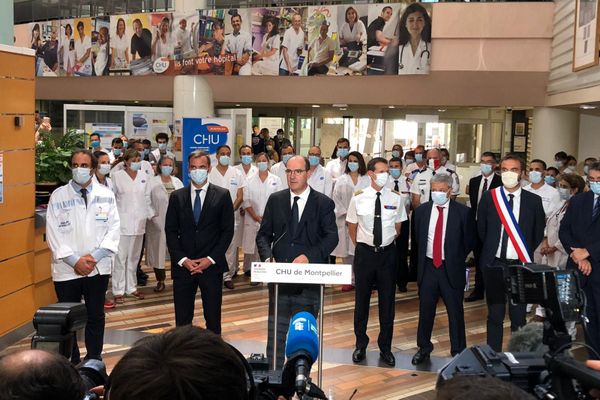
column 420, row 188
column 374, row 218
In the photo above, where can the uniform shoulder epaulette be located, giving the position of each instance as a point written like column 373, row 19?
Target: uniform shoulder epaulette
column 358, row 192
column 450, row 171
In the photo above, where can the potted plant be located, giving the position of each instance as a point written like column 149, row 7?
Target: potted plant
column 52, row 156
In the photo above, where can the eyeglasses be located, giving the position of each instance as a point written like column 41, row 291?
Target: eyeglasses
column 294, row 171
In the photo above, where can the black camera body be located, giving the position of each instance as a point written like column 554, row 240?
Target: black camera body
column 269, row 384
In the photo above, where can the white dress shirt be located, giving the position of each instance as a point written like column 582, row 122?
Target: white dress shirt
column 489, row 182
column 193, row 197
column 511, row 253
column 432, row 224
column 301, row 201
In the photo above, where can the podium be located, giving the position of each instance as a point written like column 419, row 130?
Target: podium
column 311, row 274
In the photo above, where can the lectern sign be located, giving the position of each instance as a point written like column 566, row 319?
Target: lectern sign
column 323, row 274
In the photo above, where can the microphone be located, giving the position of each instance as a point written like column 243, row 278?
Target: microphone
column 301, row 350
column 272, row 258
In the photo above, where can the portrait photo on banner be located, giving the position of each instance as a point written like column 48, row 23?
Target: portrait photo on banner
column 237, row 47
column 211, row 39
column 266, row 41
column 323, row 45
column 352, row 21
column 294, row 45
column 43, row 38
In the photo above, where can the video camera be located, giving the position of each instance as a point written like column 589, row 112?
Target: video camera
column 56, row 326
column 555, row 375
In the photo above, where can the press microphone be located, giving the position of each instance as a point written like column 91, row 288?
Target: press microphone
column 272, row 258
column 301, row 350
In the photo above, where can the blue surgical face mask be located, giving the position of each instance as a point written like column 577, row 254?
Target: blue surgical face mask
column 343, row 152
column 81, row 175
column 162, row 146
column 262, row 165
column 395, row 153
column 145, row 152
column 486, row 169
column 586, row 170
column 314, row 160
column 125, row 145
column 595, row 187
column 286, row 157
column 395, row 173
column 95, row 143
column 136, row 165
column 199, row 176
column 224, row 160
column 565, row 193
column 409, row 161
column 418, row 157
column 246, row 160
column 535, row 176
column 381, row 179
column 558, row 163
column 104, row 169
column 353, row 166
column 117, row 152
column 439, row 198
column 166, row 170
column 550, row 180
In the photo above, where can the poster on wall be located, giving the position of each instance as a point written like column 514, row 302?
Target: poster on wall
column 147, row 124
column 43, row 38
column 205, row 134
column 107, row 132
column 585, row 41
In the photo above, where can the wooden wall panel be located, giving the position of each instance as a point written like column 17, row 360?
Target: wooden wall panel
column 16, row 274
column 19, row 203
column 42, row 269
column 19, row 167
column 40, row 243
column 17, row 309
column 17, row 65
column 19, row 138
column 16, row 239
column 18, row 96
column 44, row 294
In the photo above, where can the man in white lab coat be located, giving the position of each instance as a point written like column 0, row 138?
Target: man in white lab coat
column 320, row 179
column 82, row 229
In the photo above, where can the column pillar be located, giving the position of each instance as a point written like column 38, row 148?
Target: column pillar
column 6, row 22
column 192, row 98
column 554, row 130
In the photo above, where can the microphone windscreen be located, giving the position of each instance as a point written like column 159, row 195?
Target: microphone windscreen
column 303, row 336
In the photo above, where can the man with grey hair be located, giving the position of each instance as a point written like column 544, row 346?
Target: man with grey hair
column 441, row 273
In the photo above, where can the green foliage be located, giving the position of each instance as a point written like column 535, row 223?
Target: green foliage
column 52, row 156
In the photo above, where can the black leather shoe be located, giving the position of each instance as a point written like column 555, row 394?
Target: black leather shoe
column 358, row 355
column 402, row 289
column 420, row 357
column 388, row 358
column 474, row 297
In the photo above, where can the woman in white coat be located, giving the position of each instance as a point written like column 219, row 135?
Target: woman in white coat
column 256, row 193
column 161, row 187
column 133, row 202
column 354, row 179
column 414, row 41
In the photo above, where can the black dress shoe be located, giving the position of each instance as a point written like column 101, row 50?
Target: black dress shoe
column 358, row 355
column 420, row 357
column 402, row 289
column 388, row 358
column 474, row 297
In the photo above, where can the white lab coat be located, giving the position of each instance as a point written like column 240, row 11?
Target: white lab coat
column 336, row 167
column 146, row 167
column 73, row 229
column 133, row 201
column 343, row 191
column 418, row 63
column 320, row 180
column 279, row 170
column 108, row 185
column 156, row 241
column 256, row 194
column 253, row 170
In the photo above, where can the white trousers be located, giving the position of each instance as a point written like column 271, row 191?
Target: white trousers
column 250, row 258
column 124, row 279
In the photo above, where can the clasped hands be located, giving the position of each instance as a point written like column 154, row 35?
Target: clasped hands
column 198, row 265
column 85, row 265
column 581, row 257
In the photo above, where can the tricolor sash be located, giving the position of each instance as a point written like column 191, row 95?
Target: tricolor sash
column 510, row 224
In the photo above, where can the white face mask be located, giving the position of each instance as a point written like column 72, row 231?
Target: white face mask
column 535, row 176
column 510, row 179
column 565, row 193
column 381, row 179
column 104, row 169
column 81, row 175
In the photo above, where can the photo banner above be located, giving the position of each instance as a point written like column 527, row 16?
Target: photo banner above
column 333, row 40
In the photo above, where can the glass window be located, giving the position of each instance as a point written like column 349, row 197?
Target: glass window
column 401, row 132
column 365, row 135
column 438, row 134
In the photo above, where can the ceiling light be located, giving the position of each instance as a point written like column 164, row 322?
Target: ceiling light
column 315, row 106
column 238, row 105
column 441, row 110
column 587, row 107
column 340, row 105
column 391, row 106
column 343, row 109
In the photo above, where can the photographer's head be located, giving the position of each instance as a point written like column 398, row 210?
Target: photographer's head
column 37, row 374
column 481, row 388
column 184, row 363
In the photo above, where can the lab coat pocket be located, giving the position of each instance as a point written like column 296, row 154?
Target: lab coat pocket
column 64, row 221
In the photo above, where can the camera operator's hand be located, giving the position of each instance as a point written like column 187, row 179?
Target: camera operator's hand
column 578, row 254
column 585, row 267
column 99, row 391
column 595, row 365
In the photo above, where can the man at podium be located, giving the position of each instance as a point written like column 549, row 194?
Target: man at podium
column 298, row 226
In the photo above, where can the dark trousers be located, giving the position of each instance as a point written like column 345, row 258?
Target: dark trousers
column 496, row 301
column 414, row 252
column 92, row 290
column 292, row 299
column 434, row 285
column 377, row 268
column 211, row 291
column 592, row 311
column 479, row 288
column 402, row 276
column 320, row 70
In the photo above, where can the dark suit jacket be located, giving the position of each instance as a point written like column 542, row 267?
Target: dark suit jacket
column 316, row 236
column 532, row 221
column 579, row 231
column 474, row 189
column 210, row 238
column 459, row 241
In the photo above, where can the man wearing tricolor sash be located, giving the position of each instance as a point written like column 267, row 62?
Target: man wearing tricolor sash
column 511, row 225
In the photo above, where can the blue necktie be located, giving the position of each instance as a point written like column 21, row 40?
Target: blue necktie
column 596, row 209
column 197, row 206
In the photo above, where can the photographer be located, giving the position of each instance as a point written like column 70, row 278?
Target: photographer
column 39, row 375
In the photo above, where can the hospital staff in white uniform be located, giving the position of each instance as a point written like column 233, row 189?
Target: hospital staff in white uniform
column 248, row 169
column 232, row 179
column 133, row 201
column 320, row 179
column 414, row 53
column 101, row 176
column 161, row 187
column 256, row 193
column 279, row 168
column 337, row 166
